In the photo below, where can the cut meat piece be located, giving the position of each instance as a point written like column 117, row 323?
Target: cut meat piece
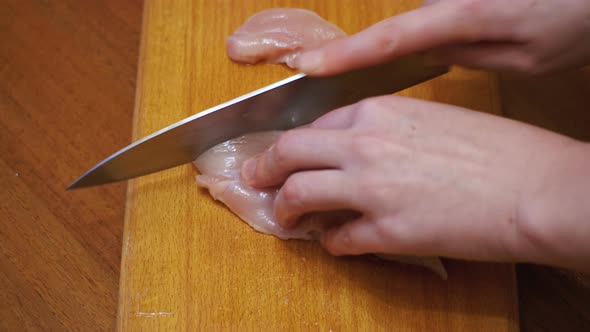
column 220, row 173
column 277, row 35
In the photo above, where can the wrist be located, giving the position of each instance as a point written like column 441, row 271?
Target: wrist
column 554, row 216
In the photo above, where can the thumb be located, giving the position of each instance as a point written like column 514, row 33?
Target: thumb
column 427, row 27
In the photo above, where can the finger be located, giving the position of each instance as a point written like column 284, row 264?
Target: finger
column 429, row 2
column 297, row 149
column 356, row 237
column 315, row 191
column 421, row 29
column 493, row 56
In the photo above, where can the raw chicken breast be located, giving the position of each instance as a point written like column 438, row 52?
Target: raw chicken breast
column 220, row 173
column 277, row 35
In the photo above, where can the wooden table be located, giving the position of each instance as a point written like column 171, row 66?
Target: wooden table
column 67, row 80
column 67, row 72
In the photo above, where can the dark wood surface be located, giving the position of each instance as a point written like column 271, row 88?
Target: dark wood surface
column 67, row 85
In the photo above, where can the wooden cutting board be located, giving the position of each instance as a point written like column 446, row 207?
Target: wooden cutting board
column 190, row 264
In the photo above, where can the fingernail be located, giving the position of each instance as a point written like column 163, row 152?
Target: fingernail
column 309, row 62
column 249, row 169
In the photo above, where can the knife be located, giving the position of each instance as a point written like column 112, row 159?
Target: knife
column 289, row 103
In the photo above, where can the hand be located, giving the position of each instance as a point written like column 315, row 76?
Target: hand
column 432, row 179
column 527, row 36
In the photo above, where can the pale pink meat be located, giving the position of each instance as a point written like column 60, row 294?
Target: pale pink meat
column 220, row 173
column 277, row 35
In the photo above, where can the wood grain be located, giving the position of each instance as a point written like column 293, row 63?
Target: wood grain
column 66, row 100
column 189, row 264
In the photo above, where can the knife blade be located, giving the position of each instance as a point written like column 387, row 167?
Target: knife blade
column 289, row 103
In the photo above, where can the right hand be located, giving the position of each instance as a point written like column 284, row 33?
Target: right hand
column 526, row 36
column 430, row 179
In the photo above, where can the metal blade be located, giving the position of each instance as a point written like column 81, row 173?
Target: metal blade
column 286, row 104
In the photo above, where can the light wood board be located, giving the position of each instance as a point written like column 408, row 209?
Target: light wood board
column 189, row 264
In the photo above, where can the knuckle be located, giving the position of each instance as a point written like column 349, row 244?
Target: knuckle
column 339, row 243
column 472, row 8
column 282, row 148
column 372, row 187
column 368, row 105
column 370, row 110
column 293, row 191
column 332, row 246
column 476, row 17
column 388, row 37
column 530, row 64
column 367, row 148
column 378, row 195
column 375, row 108
column 396, row 233
column 373, row 104
column 388, row 229
column 362, row 115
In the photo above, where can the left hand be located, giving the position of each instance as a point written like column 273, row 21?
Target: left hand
column 429, row 179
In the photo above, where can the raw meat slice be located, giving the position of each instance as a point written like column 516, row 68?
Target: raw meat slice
column 220, row 173
column 277, row 35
